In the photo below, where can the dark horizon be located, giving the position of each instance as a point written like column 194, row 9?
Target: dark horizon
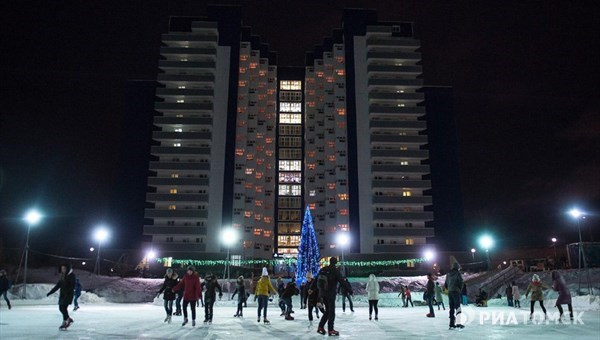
column 76, row 79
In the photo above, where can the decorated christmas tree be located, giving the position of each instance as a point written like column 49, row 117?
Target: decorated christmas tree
column 308, row 250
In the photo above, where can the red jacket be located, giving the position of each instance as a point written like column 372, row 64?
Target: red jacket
column 191, row 287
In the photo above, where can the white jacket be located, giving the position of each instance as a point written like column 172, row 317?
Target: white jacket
column 372, row 288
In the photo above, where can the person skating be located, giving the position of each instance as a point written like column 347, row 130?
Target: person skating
column 263, row 288
column 280, row 288
column 346, row 292
column 303, row 294
column 429, row 295
column 465, row 296
column 439, row 299
column 66, row 284
column 536, row 287
column 403, row 295
column 509, row 295
column 190, row 282
column 454, row 284
column 372, row 289
column 4, row 286
column 240, row 290
column 77, row 295
column 210, row 295
column 564, row 296
column 289, row 291
column 313, row 296
column 179, row 296
column 408, row 297
column 167, row 287
column 516, row 295
column 327, row 282
column 481, row 298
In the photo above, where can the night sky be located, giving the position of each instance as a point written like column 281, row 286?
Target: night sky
column 75, row 75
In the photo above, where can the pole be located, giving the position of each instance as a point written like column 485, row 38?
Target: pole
column 473, row 256
column 343, row 261
column 98, row 259
column 26, row 259
column 582, row 256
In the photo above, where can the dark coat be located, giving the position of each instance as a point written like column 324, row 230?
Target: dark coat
column 211, row 285
column 333, row 278
column 77, row 288
column 508, row 292
column 430, row 292
column 290, row 290
column 464, row 289
column 240, row 290
column 454, row 281
column 313, row 293
column 3, row 283
column 167, row 287
column 559, row 285
column 345, row 289
column 66, row 284
column 190, row 285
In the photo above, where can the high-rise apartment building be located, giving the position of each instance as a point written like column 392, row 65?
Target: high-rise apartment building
column 245, row 143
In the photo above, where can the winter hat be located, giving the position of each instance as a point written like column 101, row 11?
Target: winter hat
column 535, row 277
column 265, row 272
column 191, row 268
column 169, row 271
column 456, row 266
column 333, row 261
column 309, row 275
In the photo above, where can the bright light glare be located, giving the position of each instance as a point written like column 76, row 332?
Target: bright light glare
column 229, row 236
column 91, row 248
column 343, row 239
column 486, row 242
column 473, row 250
column 83, row 263
column 576, row 213
column 32, row 217
column 101, row 234
column 429, row 255
column 554, row 239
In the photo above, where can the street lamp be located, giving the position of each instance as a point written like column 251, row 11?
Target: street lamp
column 343, row 239
column 428, row 255
column 486, row 242
column 554, row 246
column 101, row 234
column 473, row 254
column 577, row 214
column 150, row 255
column 32, row 217
column 228, row 236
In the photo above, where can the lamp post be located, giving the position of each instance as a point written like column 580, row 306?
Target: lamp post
column 473, row 254
column 343, row 240
column 554, row 246
column 577, row 214
column 150, row 255
column 228, row 237
column 32, row 218
column 486, row 242
column 100, row 235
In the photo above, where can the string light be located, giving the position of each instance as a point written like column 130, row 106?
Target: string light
column 287, row 261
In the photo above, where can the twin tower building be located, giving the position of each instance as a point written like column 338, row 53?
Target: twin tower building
column 244, row 143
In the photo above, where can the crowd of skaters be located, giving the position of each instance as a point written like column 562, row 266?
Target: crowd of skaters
column 317, row 294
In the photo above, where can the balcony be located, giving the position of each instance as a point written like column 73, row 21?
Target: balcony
column 401, row 215
column 387, row 41
column 179, row 166
column 199, row 78
column 188, row 37
column 403, row 200
column 396, row 81
column 420, row 139
column 416, row 169
column 183, row 52
column 185, row 181
column 154, row 197
column 172, row 150
column 400, row 183
column 185, row 65
column 404, row 232
column 406, row 97
column 395, row 55
column 415, row 111
column 161, row 120
column 160, row 135
column 395, row 248
column 179, row 249
column 166, row 92
column 188, row 107
column 173, row 230
column 181, row 213
column 419, row 154
column 415, row 70
column 395, row 124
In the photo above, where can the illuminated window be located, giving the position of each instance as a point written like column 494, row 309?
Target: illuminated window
column 289, row 241
column 289, row 215
column 269, row 140
column 410, row 264
column 180, row 101
column 343, row 227
column 331, row 186
column 181, row 87
column 257, row 232
column 341, row 111
column 339, row 59
column 340, row 72
column 247, row 213
column 290, row 142
column 290, row 153
column 290, row 107
column 258, row 203
column 242, row 69
column 311, row 153
column 410, row 242
column 313, row 193
column 406, row 193
column 311, row 166
column 243, row 57
column 344, row 212
column 176, row 145
column 290, row 177
column 290, row 165
column 267, row 233
column 290, row 96
column 293, row 130
column 290, row 85
column 173, row 191
column 250, row 156
column 247, row 244
column 404, row 163
column 239, row 152
column 319, row 74
column 267, row 219
column 174, row 175
column 343, row 197
column 172, row 207
column 178, row 130
column 290, row 190
column 332, row 158
column 249, row 171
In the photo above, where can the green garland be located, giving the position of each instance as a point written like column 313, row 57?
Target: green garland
column 287, row 261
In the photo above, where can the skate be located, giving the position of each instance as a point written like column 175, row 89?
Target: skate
column 235, row 315
column 531, row 316
column 352, row 310
column 370, row 317
column 185, row 321
column 321, row 330
column 166, row 319
column 258, row 319
column 289, row 317
column 193, row 323
column 267, row 321
column 333, row 332
column 74, row 309
column 210, row 321
column 429, row 315
column 545, row 316
column 282, row 314
column 376, row 318
column 459, row 326
column 63, row 327
column 205, row 321
column 169, row 319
